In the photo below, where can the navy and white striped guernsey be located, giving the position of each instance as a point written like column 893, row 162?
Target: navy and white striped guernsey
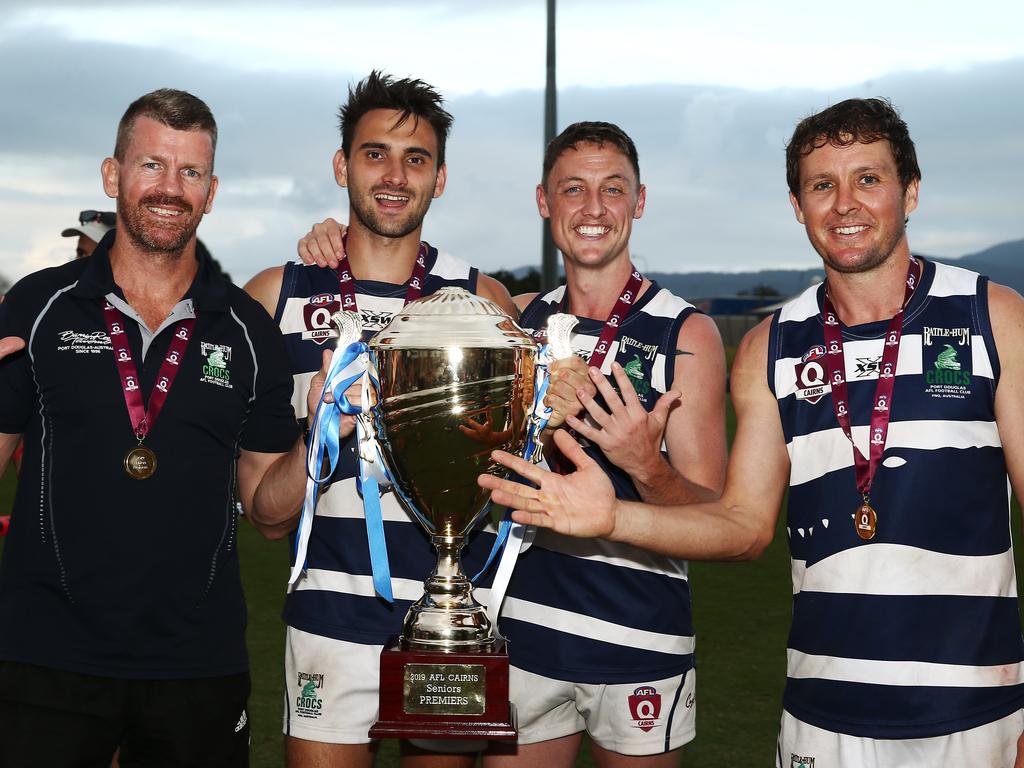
column 916, row 632
column 590, row 610
column 335, row 596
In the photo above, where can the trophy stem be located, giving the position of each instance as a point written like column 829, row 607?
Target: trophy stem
column 447, row 617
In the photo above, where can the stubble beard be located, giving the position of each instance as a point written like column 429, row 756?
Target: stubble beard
column 132, row 219
column 384, row 226
column 873, row 258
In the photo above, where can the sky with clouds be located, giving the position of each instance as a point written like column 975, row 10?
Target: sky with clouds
column 709, row 92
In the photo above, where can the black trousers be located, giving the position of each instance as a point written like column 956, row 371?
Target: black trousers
column 61, row 719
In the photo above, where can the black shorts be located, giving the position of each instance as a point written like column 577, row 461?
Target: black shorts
column 60, row 719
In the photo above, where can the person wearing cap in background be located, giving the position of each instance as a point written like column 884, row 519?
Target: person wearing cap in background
column 92, row 226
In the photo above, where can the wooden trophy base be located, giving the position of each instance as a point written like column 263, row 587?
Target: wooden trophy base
column 439, row 695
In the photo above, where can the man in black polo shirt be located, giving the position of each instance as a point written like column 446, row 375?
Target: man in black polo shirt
column 144, row 377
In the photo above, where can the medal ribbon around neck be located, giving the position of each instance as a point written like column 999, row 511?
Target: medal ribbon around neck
column 144, row 417
column 627, row 296
column 346, row 282
column 866, row 468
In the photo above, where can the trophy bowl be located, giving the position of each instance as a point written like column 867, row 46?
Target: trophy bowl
column 455, row 381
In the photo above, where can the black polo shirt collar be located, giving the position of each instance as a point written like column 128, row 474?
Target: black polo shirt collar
column 208, row 292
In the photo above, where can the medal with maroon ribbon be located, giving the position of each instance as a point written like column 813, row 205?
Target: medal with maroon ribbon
column 865, row 520
column 346, row 283
column 629, row 293
column 140, row 461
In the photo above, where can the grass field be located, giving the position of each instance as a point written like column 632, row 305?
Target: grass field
column 741, row 615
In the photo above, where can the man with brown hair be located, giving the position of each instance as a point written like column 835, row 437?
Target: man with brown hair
column 113, row 634
column 392, row 164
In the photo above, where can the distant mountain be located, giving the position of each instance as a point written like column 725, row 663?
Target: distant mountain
column 1004, row 263
column 704, row 285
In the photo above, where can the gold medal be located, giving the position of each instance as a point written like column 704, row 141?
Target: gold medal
column 140, row 463
column 865, row 520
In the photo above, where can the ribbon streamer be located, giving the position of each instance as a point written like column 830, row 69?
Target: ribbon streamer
column 559, row 346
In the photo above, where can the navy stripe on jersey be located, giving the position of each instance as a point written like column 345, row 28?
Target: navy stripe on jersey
column 595, row 611
column 335, row 596
column 915, row 633
column 927, row 707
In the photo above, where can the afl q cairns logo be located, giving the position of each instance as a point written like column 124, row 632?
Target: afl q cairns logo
column 316, row 316
column 645, row 707
column 810, row 376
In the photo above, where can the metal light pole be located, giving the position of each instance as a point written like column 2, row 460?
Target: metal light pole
column 549, row 256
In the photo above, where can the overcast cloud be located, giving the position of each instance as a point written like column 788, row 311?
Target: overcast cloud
column 711, row 155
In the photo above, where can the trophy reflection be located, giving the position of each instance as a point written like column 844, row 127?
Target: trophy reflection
column 455, row 382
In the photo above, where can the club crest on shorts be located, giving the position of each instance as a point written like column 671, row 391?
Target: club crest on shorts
column 645, row 707
column 309, row 704
column 796, row 761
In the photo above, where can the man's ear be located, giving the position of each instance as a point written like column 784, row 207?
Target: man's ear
column 795, row 202
column 542, row 202
column 441, row 180
column 341, row 168
column 110, row 170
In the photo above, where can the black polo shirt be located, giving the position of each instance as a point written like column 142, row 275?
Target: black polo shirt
column 101, row 573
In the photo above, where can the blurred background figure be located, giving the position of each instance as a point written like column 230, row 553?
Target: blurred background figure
column 92, row 226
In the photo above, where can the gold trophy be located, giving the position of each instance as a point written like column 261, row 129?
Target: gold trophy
column 456, row 381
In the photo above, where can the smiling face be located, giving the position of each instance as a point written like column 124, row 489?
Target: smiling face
column 591, row 199
column 391, row 173
column 163, row 186
column 853, row 205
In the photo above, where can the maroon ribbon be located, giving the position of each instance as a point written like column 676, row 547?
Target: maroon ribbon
column 346, row 283
column 836, row 366
column 144, row 417
column 627, row 296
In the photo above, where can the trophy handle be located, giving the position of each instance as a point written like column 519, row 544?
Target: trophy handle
column 350, row 327
column 559, row 332
column 560, row 327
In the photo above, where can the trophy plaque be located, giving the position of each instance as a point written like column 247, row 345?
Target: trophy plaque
column 455, row 380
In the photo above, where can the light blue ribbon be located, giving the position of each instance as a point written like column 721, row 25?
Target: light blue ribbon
column 345, row 369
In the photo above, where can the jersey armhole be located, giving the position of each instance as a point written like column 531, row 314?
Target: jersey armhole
column 984, row 321
column 774, row 344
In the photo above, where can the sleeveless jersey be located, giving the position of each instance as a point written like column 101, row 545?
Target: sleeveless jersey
column 914, row 633
column 335, row 597
column 590, row 610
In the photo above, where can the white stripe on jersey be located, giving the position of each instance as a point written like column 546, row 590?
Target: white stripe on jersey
column 828, row 450
column 390, row 508
column 862, row 359
column 922, row 673
column 948, row 281
column 595, row 629
column 802, row 307
column 897, row 569
column 602, row 551
column 953, row 281
column 448, row 267
column 348, row 583
column 666, row 304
